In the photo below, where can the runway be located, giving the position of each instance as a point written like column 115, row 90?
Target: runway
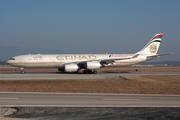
column 8, row 99
column 60, row 75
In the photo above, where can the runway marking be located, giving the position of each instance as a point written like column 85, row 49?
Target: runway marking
column 9, row 98
column 121, row 99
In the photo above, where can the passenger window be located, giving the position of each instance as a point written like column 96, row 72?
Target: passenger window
column 12, row 59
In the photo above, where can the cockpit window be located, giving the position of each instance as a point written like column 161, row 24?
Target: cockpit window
column 12, row 59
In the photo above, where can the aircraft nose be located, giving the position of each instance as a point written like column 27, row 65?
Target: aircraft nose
column 8, row 62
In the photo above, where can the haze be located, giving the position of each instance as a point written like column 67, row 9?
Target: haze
column 87, row 27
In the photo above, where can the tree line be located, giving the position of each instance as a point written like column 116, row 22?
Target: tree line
column 3, row 62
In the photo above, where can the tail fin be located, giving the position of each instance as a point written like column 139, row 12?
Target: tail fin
column 152, row 46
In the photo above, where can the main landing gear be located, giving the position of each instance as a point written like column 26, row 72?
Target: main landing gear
column 89, row 71
column 22, row 70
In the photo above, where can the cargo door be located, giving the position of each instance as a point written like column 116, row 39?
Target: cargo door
column 52, row 59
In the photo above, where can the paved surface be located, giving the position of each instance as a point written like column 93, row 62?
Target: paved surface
column 97, row 113
column 86, row 100
column 59, row 75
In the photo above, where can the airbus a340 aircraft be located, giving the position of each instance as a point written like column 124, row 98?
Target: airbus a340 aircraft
column 89, row 62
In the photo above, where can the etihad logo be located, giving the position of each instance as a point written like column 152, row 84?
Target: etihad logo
column 72, row 57
column 153, row 48
column 37, row 57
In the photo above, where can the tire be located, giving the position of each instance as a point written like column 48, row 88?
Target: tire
column 94, row 72
column 89, row 71
column 22, row 71
column 84, row 71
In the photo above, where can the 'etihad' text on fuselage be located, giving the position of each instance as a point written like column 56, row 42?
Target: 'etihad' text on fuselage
column 71, row 57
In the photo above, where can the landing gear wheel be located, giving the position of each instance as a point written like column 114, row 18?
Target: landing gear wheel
column 84, row 71
column 89, row 71
column 94, row 72
column 22, row 71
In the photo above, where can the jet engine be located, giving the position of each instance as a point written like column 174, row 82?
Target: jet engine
column 71, row 68
column 94, row 65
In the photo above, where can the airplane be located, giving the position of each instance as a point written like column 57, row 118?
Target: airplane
column 89, row 62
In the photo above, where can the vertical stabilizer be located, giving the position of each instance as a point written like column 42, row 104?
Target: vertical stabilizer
column 152, row 46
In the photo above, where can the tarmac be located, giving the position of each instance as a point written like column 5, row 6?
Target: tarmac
column 87, row 106
column 25, row 99
column 70, row 76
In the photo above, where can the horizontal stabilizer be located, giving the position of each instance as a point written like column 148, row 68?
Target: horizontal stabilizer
column 155, row 56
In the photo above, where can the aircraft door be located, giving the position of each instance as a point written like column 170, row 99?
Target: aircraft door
column 52, row 59
column 21, row 59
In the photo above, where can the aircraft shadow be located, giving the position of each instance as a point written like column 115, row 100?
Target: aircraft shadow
column 52, row 73
column 58, row 72
column 115, row 72
column 81, row 72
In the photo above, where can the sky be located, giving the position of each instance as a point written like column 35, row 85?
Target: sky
column 88, row 26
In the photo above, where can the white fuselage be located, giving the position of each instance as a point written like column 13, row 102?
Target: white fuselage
column 58, row 60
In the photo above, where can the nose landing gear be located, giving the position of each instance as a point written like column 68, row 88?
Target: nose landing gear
column 22, row 70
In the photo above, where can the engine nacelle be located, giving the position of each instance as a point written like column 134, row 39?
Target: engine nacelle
column 94, row 65
column 71, row 68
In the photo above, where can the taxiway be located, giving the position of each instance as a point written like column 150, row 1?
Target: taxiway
column 86, row 100
column 60, row 75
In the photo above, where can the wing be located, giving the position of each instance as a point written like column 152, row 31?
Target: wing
column 103, row 61
column 111, row 60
